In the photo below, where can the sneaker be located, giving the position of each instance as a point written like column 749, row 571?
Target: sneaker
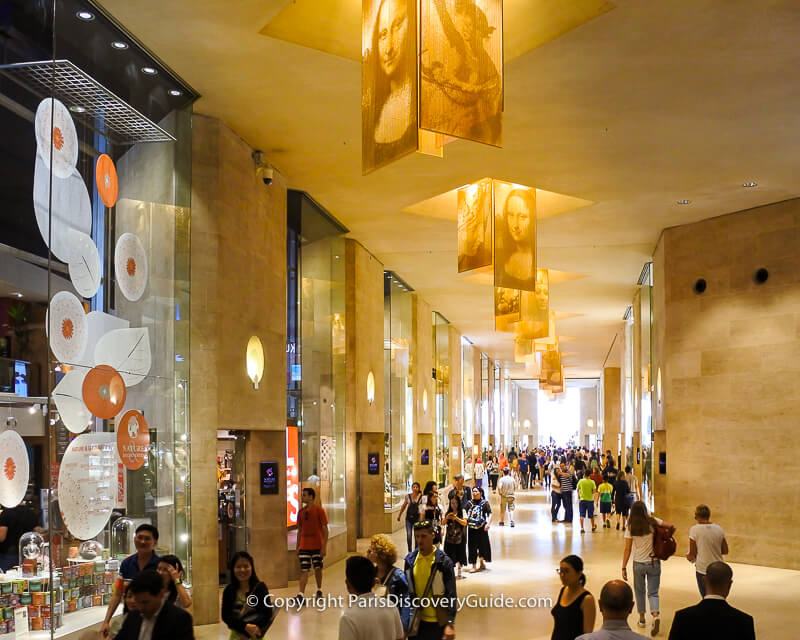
column 641, row 623
column 512, row 523
column 502, row 524
column 582, row 531
column 299, row 601
column 656, row 625
column 594, row 528
column 319, row 595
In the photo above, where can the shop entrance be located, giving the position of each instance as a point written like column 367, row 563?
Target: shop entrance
column 231, row 529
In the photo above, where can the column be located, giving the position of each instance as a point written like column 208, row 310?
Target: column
column 422, row 369
column 588, row 413
column 611, row 410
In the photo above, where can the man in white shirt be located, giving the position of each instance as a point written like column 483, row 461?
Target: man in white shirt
column 707, row 544
column 616, row 604
column 506, row 488
column 368, row 617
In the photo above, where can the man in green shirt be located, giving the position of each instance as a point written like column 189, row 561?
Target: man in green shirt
column 586, row 490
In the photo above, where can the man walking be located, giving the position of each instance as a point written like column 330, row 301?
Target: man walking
column 431, row 581
column 616, row 604
column 506, row 488
column 567, row 486
column 459, row 491
column 312, row 542
column 586, row 492
column 368, row 617
column 707, row 544
column 524, row 471
column 713, row 617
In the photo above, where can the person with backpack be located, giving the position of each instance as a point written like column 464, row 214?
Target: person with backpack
column 619, row 496
column 479, row 519
column 411, row 507
column 645, row 540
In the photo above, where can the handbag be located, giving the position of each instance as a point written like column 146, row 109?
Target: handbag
column 261, row 619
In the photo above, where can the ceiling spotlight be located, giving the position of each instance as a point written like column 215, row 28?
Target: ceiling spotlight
column 150, row 71
column 684, row 201
column 86, row 16
column 750, row 185
column 77, row 109
column 175, row 93
column 119, row 45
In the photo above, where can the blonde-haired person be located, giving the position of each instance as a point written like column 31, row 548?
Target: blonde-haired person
column 646, row 567
column 390, row 580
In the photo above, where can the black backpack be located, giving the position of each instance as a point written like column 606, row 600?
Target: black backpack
column 412, row 513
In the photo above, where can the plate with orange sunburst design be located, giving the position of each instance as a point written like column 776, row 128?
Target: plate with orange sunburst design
column 13, row 468
column 106, row 178
column 67, row 327
column 55, row 133
column 103, row 391
column 130, row 266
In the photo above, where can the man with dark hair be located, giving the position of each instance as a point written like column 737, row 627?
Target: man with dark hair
column 616, row 604
column 368, row 617
column 458, row 491
column 144, row 559
column 713, row 617
column 312, row 542
column 431, row 582
column 154, row 618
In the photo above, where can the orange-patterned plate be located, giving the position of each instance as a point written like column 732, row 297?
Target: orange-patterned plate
column 106, row 178
column 104, row 391
column 133, row 440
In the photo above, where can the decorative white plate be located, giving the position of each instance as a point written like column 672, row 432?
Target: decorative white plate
column 128, row 351
column 67, row 327
column 71, row 209
column 87, row 483
column 68, row 397
column 14, row 468
column 84, row 267
column 130, row 266
column 64, row 138
column 99, row 325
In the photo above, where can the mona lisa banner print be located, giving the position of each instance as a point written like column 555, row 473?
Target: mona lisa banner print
column 388, row 81
column 514, row 236
column 461, row 69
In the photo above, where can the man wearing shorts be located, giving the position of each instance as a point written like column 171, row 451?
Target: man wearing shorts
column 312, row 542
column 586, row 491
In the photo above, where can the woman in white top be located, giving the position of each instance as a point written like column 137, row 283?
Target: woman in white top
column 646, row 568
column 479, row 473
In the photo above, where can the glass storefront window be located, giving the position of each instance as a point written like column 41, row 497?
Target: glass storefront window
column 484, row 412
column 316, row 346
column 398, row 434
column 441, row 342
column 94, row 304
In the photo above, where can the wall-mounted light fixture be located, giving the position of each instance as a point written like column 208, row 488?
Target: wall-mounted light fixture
column 526, row 423
column 590, row 423
column 255, row 360
column 370, row 387
column 425, row 401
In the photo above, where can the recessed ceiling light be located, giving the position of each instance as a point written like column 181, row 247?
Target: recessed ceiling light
column 77, row 109
column 86, row 16
column 150, row 71
column 119, row 45
column 175, row 92
column 684, row 202
column 750, row 185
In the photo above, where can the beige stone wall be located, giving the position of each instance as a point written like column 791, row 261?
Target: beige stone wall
column 238, row 285
column 588, row 411
column 364, row 420
column 731, row 359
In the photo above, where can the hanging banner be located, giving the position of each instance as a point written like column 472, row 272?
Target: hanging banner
column 475, row 226
column 506, row 308
column 524, row 352
column 514, row 236
column 535, row 310
column 461, row 69
column 389, row 121
column 292, row 476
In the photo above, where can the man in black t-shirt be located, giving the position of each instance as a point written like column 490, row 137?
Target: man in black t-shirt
column 15, row 522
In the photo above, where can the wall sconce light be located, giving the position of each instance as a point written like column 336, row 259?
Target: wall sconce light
column 370, row 387
column 526, row 423
column 255, row 360
column 425, row 401
column 590, row 423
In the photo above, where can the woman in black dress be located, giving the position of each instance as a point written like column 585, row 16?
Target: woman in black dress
column 455, row 539
column 574, row 612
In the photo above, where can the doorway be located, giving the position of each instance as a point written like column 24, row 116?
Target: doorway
column 231, row 521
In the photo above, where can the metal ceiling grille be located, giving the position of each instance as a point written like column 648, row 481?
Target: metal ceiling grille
column 75, row 88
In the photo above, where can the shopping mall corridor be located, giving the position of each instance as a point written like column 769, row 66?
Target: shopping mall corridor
column 525, row 560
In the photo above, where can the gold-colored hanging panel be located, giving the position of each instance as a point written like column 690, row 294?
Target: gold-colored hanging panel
column 475, row 225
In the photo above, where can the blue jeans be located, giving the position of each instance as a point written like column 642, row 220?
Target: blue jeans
column 646, row 580
column 556, row 497
column 700, row 584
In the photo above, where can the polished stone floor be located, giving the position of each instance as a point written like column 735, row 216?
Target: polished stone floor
column 525, row 559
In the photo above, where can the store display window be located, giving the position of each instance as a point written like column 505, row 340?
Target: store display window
column 95, row 150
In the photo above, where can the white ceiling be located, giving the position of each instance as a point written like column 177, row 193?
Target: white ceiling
column 647, row 104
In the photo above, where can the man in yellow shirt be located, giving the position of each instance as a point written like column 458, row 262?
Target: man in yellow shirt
column 432, row 588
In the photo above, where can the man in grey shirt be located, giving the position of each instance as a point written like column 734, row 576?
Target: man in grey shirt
column 616, row 604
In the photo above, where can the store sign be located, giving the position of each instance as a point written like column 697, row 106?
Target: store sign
column 292, row 476
column 269, row 478
column 133, row 440
column 373, row 464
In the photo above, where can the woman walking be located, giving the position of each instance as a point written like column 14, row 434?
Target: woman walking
column 555, row 497
column 646, row 567
column 619, row 497
column 246, row 603
column 455, row 537
column 433, row 513
column 479, row 518
column 411, row 508
column 479, row 471
column 574, row 612
column 493, row 469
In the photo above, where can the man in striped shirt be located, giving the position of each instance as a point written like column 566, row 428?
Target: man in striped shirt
column 567, row 487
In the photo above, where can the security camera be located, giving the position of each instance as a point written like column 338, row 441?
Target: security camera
column 263, row 168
